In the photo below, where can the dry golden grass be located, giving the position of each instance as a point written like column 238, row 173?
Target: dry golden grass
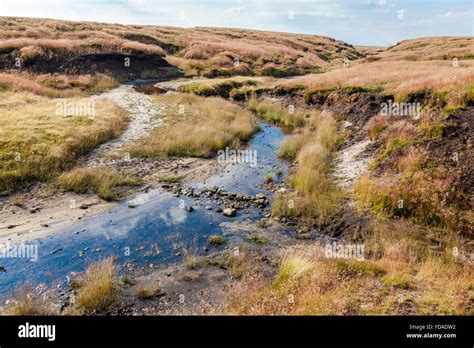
column 376, row 125
column 419, row 197
column 431, row 48
column 25, row 303
column 316, row 196
column 292, row 144
column 96, row 287
column 213, row 52
column 37, row 143
column 34, row 48
column 103, row 181
column 222, row 87
column 401, row 275
column 56, row 85
column 400, row 78
column 146, row 293
column 196, row 127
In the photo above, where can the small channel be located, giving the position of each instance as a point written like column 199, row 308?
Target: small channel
column 152, row 233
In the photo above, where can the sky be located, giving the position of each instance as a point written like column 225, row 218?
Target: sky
column 361, row 22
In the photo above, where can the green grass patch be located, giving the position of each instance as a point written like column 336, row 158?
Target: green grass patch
column 392, row 145
column 358, row 268
column 395, row 281
column 268, row 178
column 102, row 181
column 217, row 240
column 222, row 88
column 170, row 179
column 275, row 113
column 257, row 239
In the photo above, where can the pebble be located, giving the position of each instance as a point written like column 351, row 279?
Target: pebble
column 230, row 212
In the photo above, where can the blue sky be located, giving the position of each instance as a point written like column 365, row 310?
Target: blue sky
column 371, row 22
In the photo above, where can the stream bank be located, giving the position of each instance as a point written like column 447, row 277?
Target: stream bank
column 155, row 227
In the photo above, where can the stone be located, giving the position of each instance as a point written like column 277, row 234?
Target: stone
column 230, row 212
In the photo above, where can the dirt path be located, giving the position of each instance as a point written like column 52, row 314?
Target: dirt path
column 144, row 116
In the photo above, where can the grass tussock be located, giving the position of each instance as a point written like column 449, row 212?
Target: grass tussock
column 170, row 179
column 39, row 144
column 145, row 293
column 292, row 144
column 26, row 303
column 375, row 126
column 217, row 87
column 257, row 239
column 197, row 127
column 104, row 182
column 217, row 240
column 96, row 289
column 275, row 113
column 401, row 275
column 316, row 196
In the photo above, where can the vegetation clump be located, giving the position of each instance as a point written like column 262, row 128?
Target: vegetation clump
column 96, row 290
column 196, row 127
column 217, row 240
column 102, row 181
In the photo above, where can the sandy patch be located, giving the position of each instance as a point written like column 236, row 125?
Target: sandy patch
column 350, row 163
column 40, row 214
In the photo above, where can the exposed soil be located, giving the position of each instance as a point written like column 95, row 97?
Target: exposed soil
column 43, row 210
column 455, row 150
column 350, row 163
column 356, row 108
column 113, row 64
column 202, row 286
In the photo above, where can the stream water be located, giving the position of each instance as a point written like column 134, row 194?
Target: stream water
column 152, row 233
